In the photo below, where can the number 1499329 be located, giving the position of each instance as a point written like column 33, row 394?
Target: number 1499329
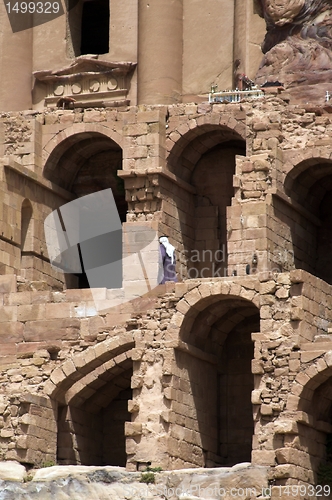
column 33, row 7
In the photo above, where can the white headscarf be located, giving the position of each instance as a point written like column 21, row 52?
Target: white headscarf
column 168, row 247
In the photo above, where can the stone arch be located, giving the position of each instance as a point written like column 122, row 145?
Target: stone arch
column 74, row 369
column 78, row 142
column 309, row 186
column 204, row 156
column 87, row 387
column 79, row 128
column 311, row 400
column 296, row 161
column 205, row 294
column 93, row 403
column 307, row 381
column 85, row 159
column 213, row 368
column 198, row 137
column 303, row 169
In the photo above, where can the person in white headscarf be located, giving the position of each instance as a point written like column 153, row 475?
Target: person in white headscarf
column 167, row 258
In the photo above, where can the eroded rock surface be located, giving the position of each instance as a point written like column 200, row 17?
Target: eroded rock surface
column 12, row 471
column 297, row 44
column 114, row 483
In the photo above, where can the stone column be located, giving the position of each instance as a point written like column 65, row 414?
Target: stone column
column 160, row 51
column 15, row 66
column 240, row 53
column 249, row 32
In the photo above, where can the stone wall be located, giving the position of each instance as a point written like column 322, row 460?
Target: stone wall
column 166, row 367
column 173, row 413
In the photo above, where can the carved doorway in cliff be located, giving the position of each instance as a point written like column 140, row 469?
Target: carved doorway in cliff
column 214, row 372
column 91, row 427
column 88, row 27
column 205, row 159
column 83, row 164
column 309, row 216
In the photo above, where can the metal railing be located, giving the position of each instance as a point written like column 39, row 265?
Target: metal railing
column 235, row 95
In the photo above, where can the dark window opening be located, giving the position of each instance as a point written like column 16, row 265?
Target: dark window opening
column 311, row 234
column 95, row 27
column 220, row 393
column 82, row 277
column 91, row 164
column 93, row 433
column 26, row 230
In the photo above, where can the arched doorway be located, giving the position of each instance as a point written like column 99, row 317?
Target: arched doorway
column 83, row 164
column 214, row 369
column 91, row 427
column 314, row 442
column 205, row 159
column 309, row 185
column 212, row 178
column 92, row 404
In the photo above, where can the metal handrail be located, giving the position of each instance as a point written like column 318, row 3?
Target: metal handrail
column 235, row 95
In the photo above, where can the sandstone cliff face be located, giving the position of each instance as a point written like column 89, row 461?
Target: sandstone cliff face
column 297, row 45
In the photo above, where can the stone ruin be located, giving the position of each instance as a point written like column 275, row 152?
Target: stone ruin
column 233, row 363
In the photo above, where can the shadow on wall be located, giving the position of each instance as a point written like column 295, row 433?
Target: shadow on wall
column 309, row 185
column 92, row 433
column 83, row 164
column 315, row 435
column 215, row 381
column 207, row 164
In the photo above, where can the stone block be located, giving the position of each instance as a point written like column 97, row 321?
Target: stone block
column 135, row 129
column 8, row 313
column 12, row 471
column 31, row 312
column 183, row 306
column 62, row 310
column 292, row 402
column 328, row 358
column 6, row 433
column 263, row 457
column 17, row 298
column 286, row 427
column 57, row 376
column 298, row 276
column 133, row 429
column 11, row 332
column 7, row 283
column 131, row 447
column 56, row 329
column 256, row 397
column 268, row 287
column 257, row 367
column 151, row 116
column 266, row 409
column 296, row 314
column 133, row 406
column 311, row 355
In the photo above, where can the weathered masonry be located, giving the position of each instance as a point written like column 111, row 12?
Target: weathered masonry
column 233, row 363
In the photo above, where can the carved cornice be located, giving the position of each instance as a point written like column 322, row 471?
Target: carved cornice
column 88, row 81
